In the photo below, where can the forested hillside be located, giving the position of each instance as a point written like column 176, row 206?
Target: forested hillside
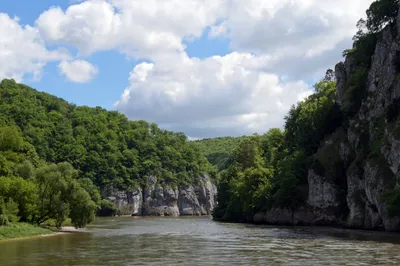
column 46, row 140
column 271, row 170
column 102, row 145
column 218, row 151
column 337, row 160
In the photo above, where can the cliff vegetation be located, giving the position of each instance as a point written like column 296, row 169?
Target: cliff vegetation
column 337, row 160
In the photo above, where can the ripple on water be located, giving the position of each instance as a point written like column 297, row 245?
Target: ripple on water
column 199, row 241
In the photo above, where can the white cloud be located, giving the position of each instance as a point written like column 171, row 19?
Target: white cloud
column 242, row 93
column 79, row 71
column 301, row 32
column 22, row 51
column 276, row 45
column 218, row 95
column 143, row 29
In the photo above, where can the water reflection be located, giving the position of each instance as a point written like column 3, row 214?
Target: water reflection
column 199, row 241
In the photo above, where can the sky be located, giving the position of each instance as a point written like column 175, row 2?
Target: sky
column 207, row 68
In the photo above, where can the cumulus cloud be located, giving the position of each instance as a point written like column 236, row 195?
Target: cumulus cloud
column 143, row 29
column 300, row 32
column 22, row 51
column 245, row 91
column 275, row 44
column 224, row 95
column 79, row 71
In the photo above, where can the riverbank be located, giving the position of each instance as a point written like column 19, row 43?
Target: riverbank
column 23, row 230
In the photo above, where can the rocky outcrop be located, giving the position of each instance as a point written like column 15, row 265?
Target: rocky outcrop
column 159, row 199
column 357, row 166
column 126, row 201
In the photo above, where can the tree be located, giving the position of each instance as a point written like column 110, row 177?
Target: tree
column 22, row 192
column 107, row 208
column 308, row 122
column 380, row 13
column 291, row 175
column 82, row 207
column 329, row 76
column 60, row 196
column 52, row 198
column 92, row 189
column 54, row 145
column 102, row 145
column 8, row 212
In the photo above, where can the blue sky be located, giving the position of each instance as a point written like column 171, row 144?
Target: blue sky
column 205, row 67
column 114, row 67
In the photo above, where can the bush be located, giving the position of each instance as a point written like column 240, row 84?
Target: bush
column 308, row 122
column 8, row 212
column 107, row 208
column 356, row 91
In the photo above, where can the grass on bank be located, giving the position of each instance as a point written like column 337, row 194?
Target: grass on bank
column 20, row 230
column 51, row 223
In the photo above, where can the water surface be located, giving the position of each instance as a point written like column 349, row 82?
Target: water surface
column 200, row 241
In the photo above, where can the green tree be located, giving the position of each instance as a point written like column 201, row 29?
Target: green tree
column 92, row 189
column 8, row 212
column 52, row 198
column 380, row 13
column 82, row 207
column 107, row 208
column 61, row 196
column 308, row 122
column 22, row 192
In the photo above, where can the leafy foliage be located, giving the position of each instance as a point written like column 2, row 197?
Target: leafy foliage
column 107, row 208
column 219, row 150
column 308, row 122
column 271, row 170
column 382, row 12
column 104, row 146
column 55, row 156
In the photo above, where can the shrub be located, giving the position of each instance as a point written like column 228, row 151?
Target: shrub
column 8, row 212
column 107, row 208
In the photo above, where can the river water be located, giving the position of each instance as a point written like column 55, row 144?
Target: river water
column 200, row 241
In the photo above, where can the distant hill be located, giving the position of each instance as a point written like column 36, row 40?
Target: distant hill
column 218, row 150
column 102, row 145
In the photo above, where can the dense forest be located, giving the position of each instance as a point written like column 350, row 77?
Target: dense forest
column 273, row 167
column 271, row 171
column 218, row 151
column 56, row 158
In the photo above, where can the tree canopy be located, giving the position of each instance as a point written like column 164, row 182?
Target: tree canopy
column 56, row 158
column 104, row 146
column 381, row 13
column 271, row 170
column 219, row 150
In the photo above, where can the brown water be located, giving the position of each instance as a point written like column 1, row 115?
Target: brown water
column 200, row 241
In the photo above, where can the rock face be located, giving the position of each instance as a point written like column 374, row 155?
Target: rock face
column 365, row 152
column 156, row 199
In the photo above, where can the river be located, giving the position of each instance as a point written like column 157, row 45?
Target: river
column 200, row 241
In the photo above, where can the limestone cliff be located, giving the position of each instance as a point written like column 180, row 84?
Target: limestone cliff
column 357, row 168
column 157, row 199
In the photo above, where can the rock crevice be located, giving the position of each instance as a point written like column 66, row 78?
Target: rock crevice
column 158, row 199
column 367, row 147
